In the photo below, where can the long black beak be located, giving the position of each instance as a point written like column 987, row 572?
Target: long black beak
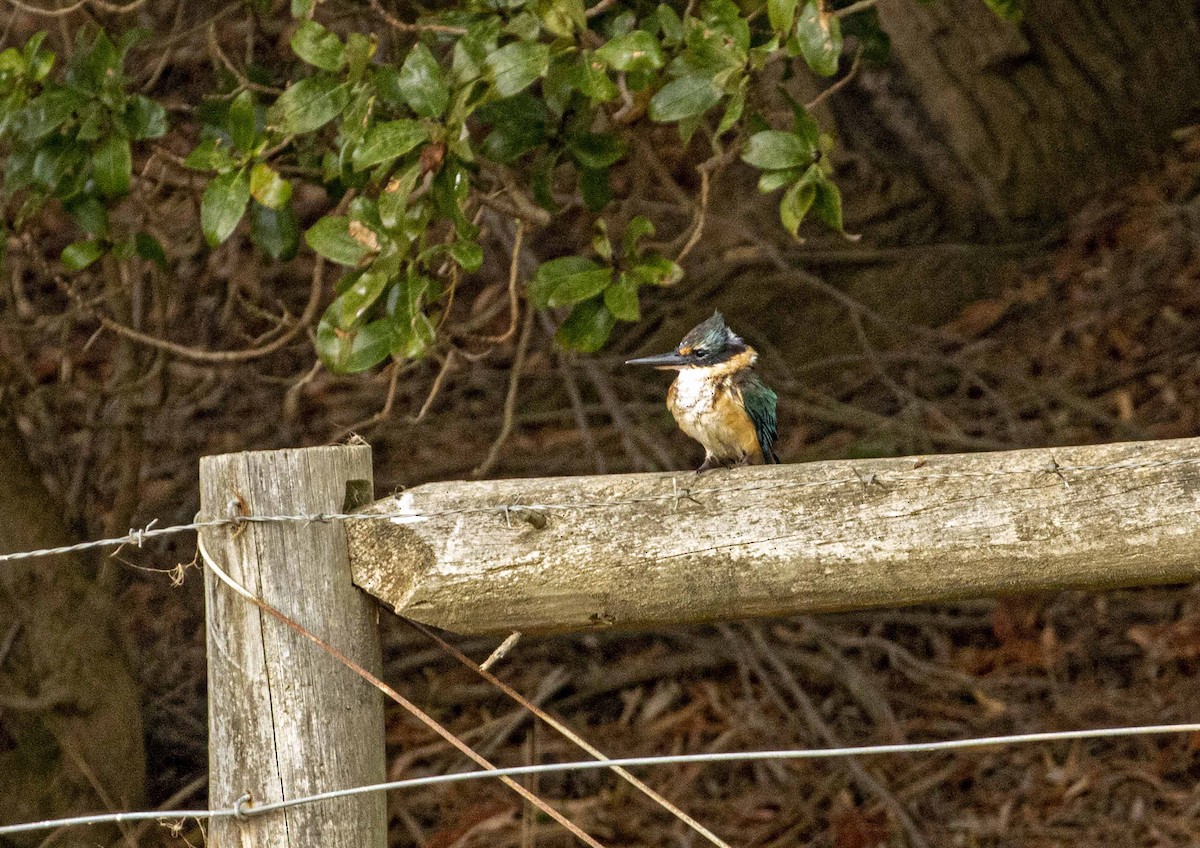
column 662, row 360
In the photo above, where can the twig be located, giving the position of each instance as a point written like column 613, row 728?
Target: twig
column 402, row 26
column 860, row 6
column 211, row 356
column 513, row 274
column 214, row 48
column 577, row 410
column 600, row 8
column 701, row 214
column 619, row 419
column 837, row 86
column 569, row 734
column 812, row 717
column 111, row 8
column 436, row 387
column 501, row 651
column 217, row 356
column 398, row 368
column 510, row 402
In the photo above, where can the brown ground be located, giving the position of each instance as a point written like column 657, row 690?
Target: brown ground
column 1093, row 339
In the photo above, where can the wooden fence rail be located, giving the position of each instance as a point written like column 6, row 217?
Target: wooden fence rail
column 578, row 553
column 575, row 553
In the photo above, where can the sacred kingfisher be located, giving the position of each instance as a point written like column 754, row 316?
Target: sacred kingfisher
column 717, row 399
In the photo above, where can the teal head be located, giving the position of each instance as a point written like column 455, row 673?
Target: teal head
column 710, row 344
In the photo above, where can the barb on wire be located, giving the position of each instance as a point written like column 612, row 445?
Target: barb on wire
column 624, row 762
column 677, row 493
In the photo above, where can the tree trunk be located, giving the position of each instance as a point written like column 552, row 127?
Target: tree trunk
column 1008, row 125
column 70, row 717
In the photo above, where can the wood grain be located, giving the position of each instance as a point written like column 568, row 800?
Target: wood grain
column 667, row 549
column 286, row 719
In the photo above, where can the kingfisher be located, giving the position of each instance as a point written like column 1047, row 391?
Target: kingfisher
column 717, row 399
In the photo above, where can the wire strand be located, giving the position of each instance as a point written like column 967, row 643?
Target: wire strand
column 677, row 493
column 243, row 810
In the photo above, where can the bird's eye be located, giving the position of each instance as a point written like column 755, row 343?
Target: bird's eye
column 699, row 353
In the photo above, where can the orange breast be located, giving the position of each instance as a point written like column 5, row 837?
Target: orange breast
column 710, row 411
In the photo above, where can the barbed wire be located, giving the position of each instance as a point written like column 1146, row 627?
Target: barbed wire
column 244, row 808
column 138, row 537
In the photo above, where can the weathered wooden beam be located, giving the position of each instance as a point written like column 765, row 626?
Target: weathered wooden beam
column 574, row 553
column 285, row 718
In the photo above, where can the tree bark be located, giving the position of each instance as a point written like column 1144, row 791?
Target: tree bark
column 70, row 713
column 1008, row 125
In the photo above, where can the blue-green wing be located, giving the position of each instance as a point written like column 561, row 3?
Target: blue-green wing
column 760, row 401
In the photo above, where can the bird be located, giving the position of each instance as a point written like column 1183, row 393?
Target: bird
column 717, row 398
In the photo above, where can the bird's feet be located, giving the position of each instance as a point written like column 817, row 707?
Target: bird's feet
column 710, row 462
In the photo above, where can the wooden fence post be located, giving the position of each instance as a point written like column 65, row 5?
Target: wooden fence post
column 285, row 718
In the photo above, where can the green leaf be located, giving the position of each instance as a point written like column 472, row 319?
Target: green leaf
column 47, row 112
column 819, row 39
column 144, row 118
column 635, row 51
column 112, row 166
column 672, row 26
column 596, row 150
column 657, row 271
column 587, row 327
column 782, row 13
column 422, row 83
column 388, row 140
column 309, row 105
column 519, row 125
column 733, row 112
column 359, row 50
column 394, row 198
column 514, row 67
column 796, row 202
column 468, row 254
column 637, row 229
column 595, row 187
column 563, row 17
column 211, row 154
column 276, row 231
column 351, row 351
column 350, row 308
column 12, row 62
column 865, row 29
column 51, row 164
column 302, row 8
column 90, row 214
column 601, row 243
column 1009, row 10
column 829, row 204
column 526, row 26
column 772, row 180
column 318, row 46
column 589, row 78
column 331, row 238
column 223, row 204
column 562, row 282
column 412, row 335
column 79, row 255
column 148, row 247
column 684, row 98
column 267, row 187
column 806, row 126
column 240, row 121
column 622, row 300
column 772, row 150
